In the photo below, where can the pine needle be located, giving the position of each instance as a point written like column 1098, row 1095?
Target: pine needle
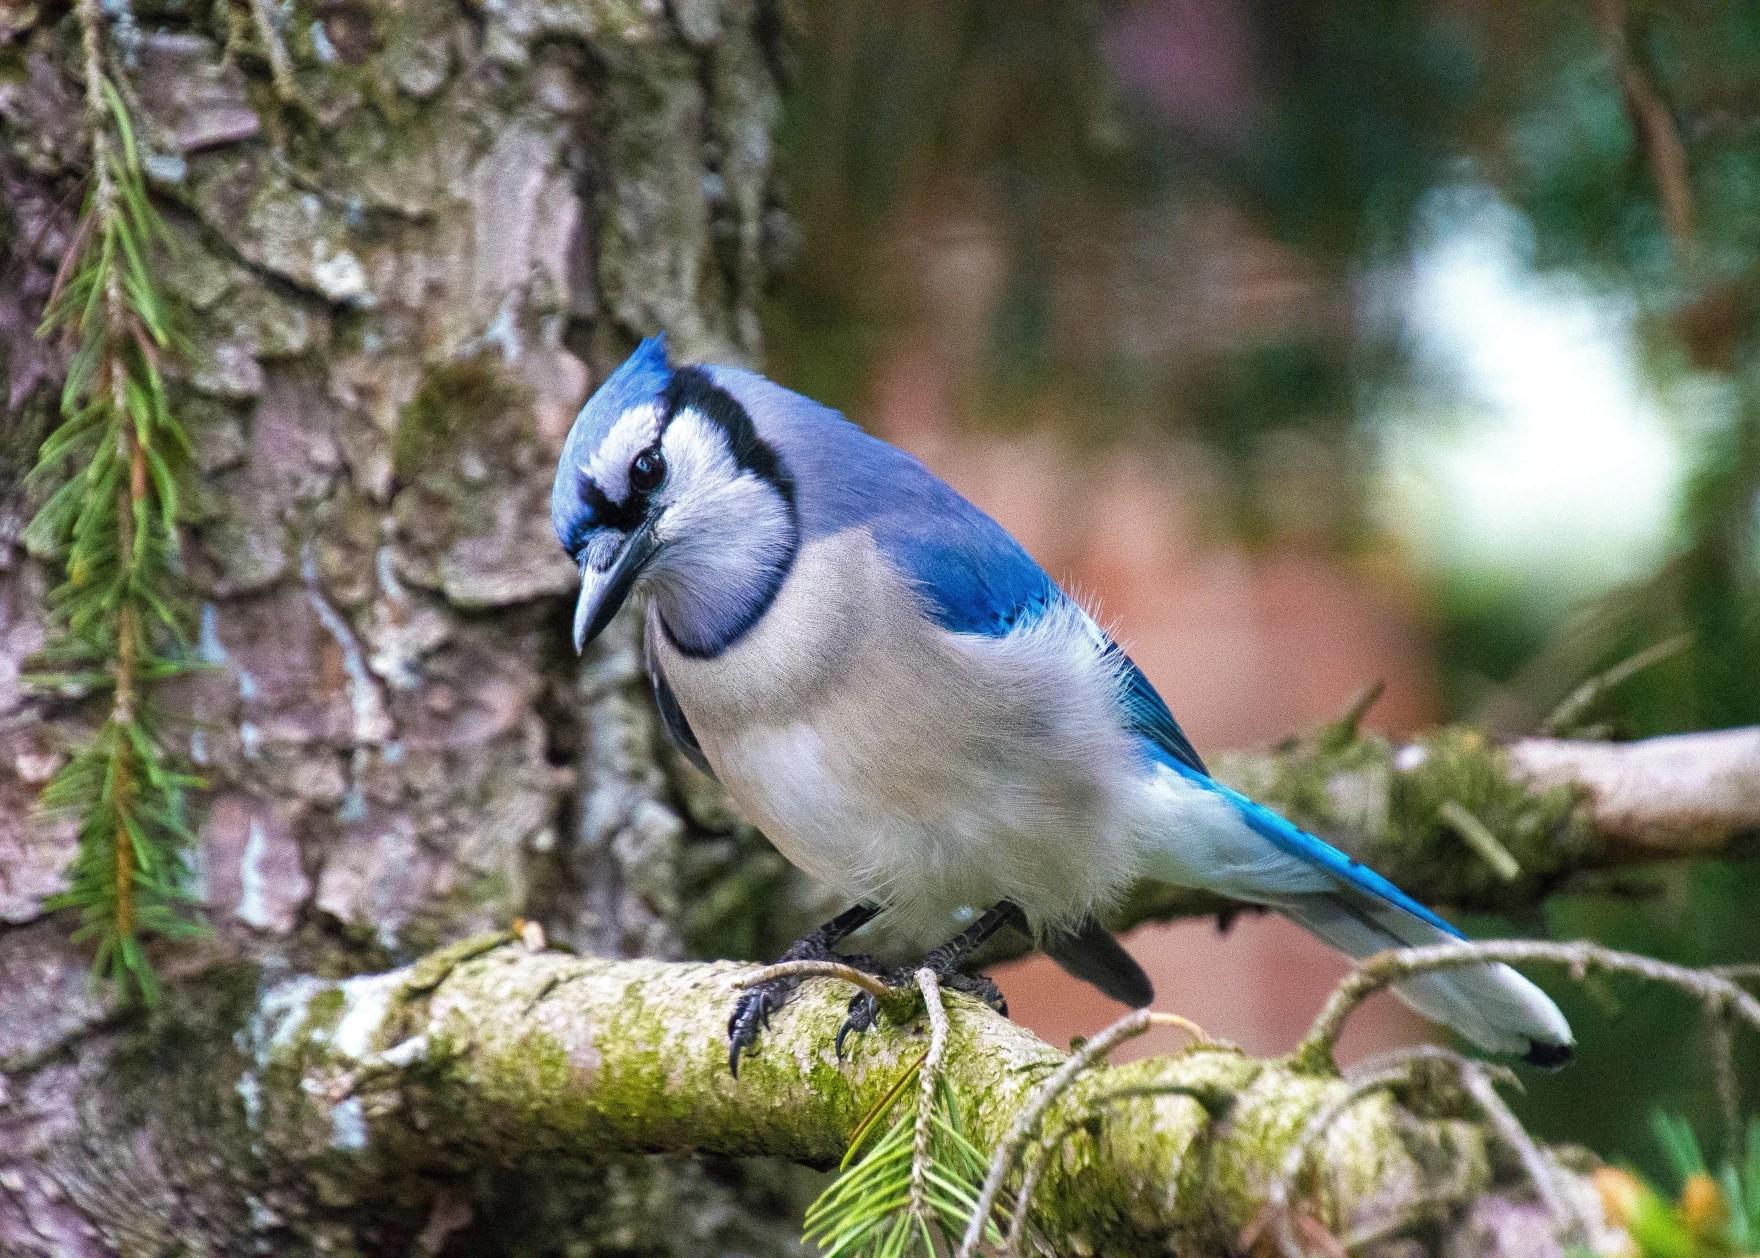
column 866, row 1212
column 109, row 518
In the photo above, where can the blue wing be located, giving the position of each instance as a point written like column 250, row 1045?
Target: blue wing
column 677, row 727
column 977, row 578
column 1150, row 718
column 974, row 576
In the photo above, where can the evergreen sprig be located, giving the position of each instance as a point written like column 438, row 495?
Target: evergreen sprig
column 110, row 519
column 866, row 1212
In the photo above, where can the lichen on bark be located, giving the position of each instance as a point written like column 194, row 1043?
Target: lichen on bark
column 405, row 255
column 499, row 1054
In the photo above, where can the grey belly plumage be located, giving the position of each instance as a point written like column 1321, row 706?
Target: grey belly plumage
column 917, row 768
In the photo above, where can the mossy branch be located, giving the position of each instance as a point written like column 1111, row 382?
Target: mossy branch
column 505, row 1056
column 109, row 517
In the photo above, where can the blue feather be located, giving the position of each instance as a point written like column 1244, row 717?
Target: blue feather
column 641, row 379
column 1291, row 839
column 1149, row 717
column 973, row 575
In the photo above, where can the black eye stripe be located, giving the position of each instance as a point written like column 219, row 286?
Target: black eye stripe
column 603, row 512
column 691, row 389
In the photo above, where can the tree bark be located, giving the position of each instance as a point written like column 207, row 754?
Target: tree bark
column 406, row 240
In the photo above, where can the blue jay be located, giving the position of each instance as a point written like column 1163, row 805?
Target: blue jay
column 913, row 712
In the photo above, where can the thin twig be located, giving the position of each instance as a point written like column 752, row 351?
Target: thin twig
column 1380, row 1073
column 1478, row 836
column 280, row 68
column 1571, row 710
column 1026, row 1123
column 1396, row 965
column 1278, row 1202
column 1737, row 973
column 1573, row 1228
column 928, row 1079
column 1658, row 136
column 1723, row 1074
column 1345, row 729
column 818, row 969
column 1431, row 1207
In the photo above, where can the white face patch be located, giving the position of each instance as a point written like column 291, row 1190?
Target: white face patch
column 634, row 431
column 722, row 527
column 699, row 466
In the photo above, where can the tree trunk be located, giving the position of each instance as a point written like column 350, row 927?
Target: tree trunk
column 406, row 240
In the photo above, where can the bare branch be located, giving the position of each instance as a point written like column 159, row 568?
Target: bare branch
column 1686, row 794
column 1718, row 994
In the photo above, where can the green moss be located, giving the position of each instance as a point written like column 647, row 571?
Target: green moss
column 1546, row 831
column 459, row 405
column 532, row 1082
column 432, row 970
column 326, row 1007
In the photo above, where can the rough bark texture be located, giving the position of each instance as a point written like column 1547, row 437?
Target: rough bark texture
column 401, row 267
column 399, row 280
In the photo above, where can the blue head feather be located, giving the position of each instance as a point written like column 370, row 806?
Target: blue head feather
column 642, row 378
column 973, row 576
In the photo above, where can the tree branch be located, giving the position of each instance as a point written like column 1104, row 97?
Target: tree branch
column 1684, row 795
column 490, row 1053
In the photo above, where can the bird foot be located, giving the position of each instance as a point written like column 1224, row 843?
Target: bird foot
column 751, row 1013
column 864, row 1007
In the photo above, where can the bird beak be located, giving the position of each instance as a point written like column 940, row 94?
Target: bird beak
column 602, row 593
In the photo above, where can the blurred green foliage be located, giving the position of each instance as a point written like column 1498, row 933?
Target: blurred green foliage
column 1712, row 1214
column 1102, row 143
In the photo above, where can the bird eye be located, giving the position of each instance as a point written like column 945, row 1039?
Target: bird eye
column 647, row 470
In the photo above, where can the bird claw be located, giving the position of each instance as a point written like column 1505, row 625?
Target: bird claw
column 864, row 1011
column 864, row 1007
column 980, row 985
column 752, row 1013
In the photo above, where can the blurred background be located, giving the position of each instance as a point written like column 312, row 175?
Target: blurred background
column 1321, row 344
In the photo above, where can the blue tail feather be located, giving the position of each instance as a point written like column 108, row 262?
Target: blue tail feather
column 1288, row 837
column 1218, row 838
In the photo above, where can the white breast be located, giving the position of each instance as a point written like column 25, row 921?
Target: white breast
column 907, row 765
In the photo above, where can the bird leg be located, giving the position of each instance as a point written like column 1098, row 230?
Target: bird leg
column 946, row 960
column 761, row 1000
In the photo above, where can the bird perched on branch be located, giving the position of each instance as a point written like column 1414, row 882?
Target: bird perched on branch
column 912, row 711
